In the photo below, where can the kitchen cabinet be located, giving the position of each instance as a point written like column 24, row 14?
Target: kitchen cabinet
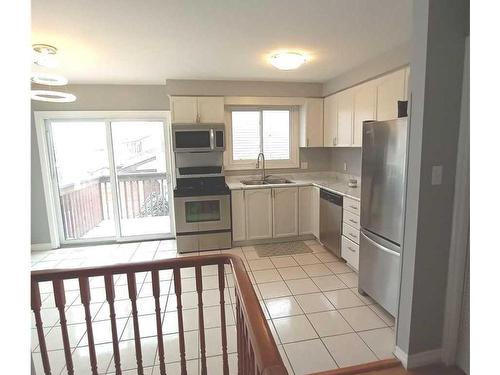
column 364, row 102
column 349, row 248
column 197, row 109
column 345, row 109
column 311, row 123
column 238, row 215
column 258, row 214
column 390, row 88
column 285, row 212
column 306, row 209
column 330, row 121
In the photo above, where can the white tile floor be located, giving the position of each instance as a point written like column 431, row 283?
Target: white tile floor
column 310, row 301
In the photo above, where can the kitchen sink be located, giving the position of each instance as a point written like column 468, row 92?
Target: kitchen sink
column 268, row 181
column 254, row 182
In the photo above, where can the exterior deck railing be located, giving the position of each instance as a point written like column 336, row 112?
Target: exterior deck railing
column 84, row 207
column 257, row 351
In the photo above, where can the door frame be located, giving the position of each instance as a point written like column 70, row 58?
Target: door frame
column 47, row 170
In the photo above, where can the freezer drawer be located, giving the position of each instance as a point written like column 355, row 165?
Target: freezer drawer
column 379, row 271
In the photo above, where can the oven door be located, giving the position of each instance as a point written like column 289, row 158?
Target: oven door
column 200, row 214
column 189, row 139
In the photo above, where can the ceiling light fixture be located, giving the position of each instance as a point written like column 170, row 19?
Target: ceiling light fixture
column 45, row 55
column 287, row 60
column 48, row 79
column 52, row 96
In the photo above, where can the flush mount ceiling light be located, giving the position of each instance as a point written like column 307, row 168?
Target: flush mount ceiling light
column 287, row 60
column 48, row 79
column 52, row 96
column 45, row 55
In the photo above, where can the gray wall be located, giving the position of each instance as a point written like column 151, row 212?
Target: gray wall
column 439, row 29
column 89, row 98
column 351, row 156
column 391, row 60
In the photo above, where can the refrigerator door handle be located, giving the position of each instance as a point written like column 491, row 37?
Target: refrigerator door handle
column 381, row 247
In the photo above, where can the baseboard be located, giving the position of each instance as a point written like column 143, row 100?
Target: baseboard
column 418, row 359
column 41, row 246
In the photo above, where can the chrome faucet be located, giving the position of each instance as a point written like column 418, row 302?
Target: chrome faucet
column 263, row 165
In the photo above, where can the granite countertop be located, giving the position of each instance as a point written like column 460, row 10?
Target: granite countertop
column 331, row 181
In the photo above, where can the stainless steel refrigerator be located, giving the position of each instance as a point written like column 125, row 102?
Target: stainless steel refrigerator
column 382, row 201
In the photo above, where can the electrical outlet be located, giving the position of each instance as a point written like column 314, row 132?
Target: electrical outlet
column 437, row 174
column 303, row 165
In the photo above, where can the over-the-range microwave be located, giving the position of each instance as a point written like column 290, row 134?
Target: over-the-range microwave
column 198, row 137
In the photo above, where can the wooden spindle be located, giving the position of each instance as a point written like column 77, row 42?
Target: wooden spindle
column 85, row 298
column 225, row 364
column 180, row 323
column 238, row 337
column 201, row 321
column 251, row 359
column 132, row 293
column 110, row 297
column 60, row 299
column 36, row 305
column 155, row 279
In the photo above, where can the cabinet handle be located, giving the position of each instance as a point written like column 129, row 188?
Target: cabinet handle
column 354, row 207
column 352, row 234
column 350, row 248
column 353, row 221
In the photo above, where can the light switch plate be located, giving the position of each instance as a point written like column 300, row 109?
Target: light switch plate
column 437, row 174
column 303, row 165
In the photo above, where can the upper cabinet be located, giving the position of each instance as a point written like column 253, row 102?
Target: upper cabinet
column 330, row 121
column 345, row 111
column 311, row 123
column 197, row 109
column 390, row 88
column 365, row 101
column 345, row 117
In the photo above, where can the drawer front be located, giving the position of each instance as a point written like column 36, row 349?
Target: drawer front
column 351, row 219
column 352, row 205
column 350, row 232
column 350, row 252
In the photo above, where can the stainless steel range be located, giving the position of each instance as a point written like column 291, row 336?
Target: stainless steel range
column 202, row 202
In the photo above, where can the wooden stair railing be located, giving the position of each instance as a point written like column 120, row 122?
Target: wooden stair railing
column 257, row 351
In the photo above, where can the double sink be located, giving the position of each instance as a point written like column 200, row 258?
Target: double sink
column 267, row 181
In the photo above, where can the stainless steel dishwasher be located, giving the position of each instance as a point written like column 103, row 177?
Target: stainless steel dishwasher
column 330, row 221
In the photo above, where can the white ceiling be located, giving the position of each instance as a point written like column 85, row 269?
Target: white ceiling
column 148, row 41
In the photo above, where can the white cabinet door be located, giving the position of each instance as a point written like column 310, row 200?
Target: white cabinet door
column 306, row 209
column 211, row 109
column 365, row 97
column 345, row 118
column 311, row 123
column 390, row 89
column 330, row 121
column 184, row 109
column 259, row 214
column 238, row 215
column 315, row 211
column 285, row 212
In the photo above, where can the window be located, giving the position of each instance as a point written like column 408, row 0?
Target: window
column 267, row 130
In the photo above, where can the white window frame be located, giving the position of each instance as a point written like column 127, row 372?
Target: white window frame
column 293, row 162
column 51, row 201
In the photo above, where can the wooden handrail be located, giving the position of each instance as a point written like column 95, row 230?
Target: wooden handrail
column 257, row 351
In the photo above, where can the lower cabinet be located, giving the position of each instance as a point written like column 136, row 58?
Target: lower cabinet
column 350, row 232
column 285, row 212
column 350, row 252
column 258, row 214
column 238, row 213
column 274, row 212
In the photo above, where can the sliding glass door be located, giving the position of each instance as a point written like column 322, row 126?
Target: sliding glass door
column 111, row 179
